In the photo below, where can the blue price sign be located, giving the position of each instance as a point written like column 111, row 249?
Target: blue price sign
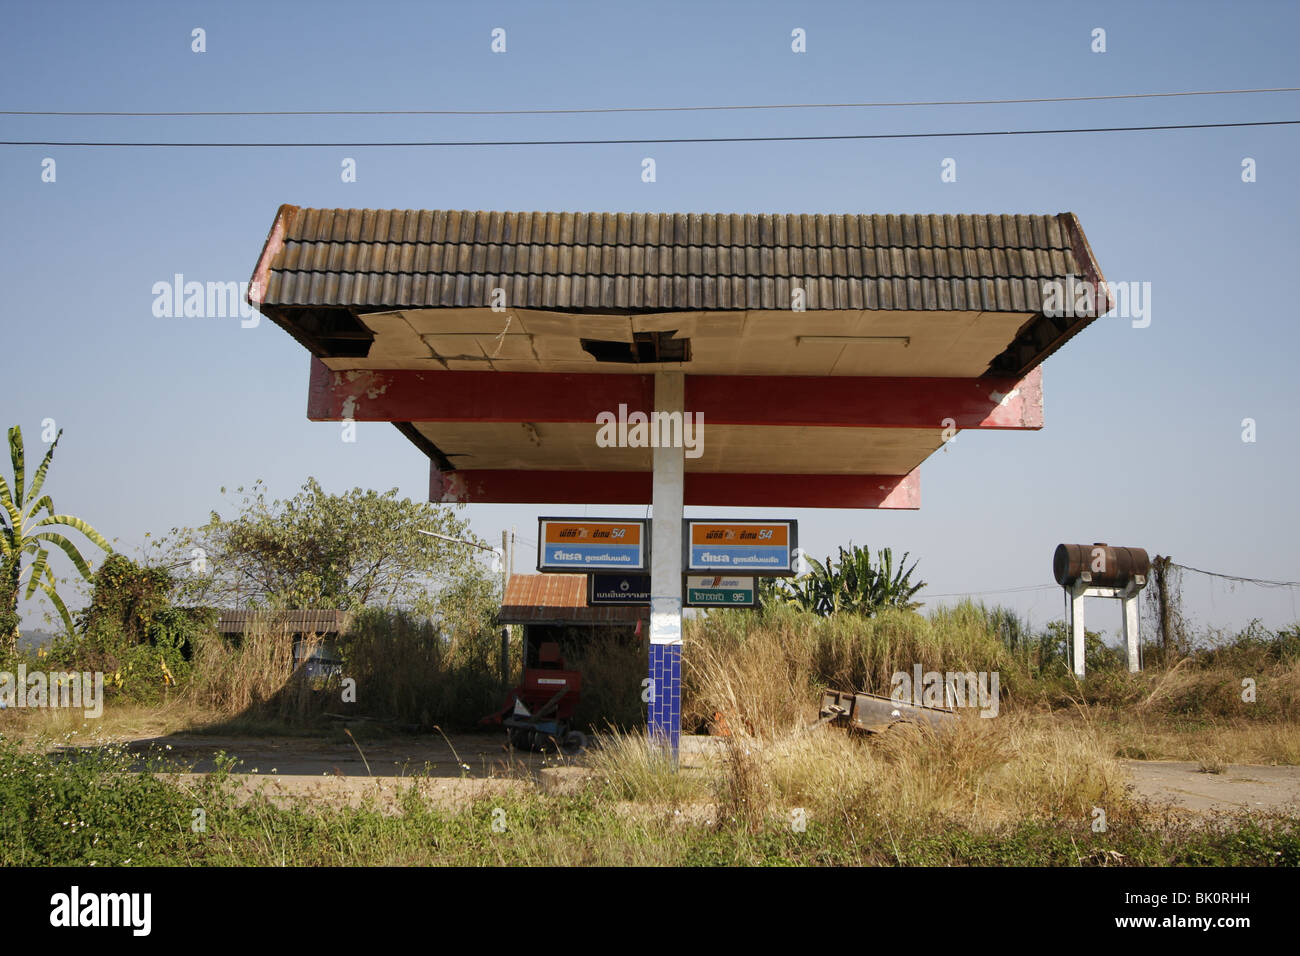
column 748, row 547
column 576, row 544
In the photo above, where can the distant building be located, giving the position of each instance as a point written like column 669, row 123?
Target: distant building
column 314, row 635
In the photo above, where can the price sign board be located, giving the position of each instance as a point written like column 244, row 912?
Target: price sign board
column 719, row 591
column 583, row 545
column 749, row 547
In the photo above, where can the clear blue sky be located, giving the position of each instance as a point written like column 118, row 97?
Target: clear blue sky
column 1143, row 438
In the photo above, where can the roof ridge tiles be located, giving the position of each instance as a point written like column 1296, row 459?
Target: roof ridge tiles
column 373, row 259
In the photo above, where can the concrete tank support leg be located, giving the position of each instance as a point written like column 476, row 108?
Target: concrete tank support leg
column 664, row 720
column 1077, row 631
column 1131, row 628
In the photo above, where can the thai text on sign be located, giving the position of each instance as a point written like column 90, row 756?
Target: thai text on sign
column 569, row 544
column 754, row 546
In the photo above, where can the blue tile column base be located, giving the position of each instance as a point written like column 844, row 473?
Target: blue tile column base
column 664, row 720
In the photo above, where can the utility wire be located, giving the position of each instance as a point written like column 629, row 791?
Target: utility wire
column 649, row 109
column 1043, row 587
column 1232, row 577
column 1032, row 587
column 661, row 140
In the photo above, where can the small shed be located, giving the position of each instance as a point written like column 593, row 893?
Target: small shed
column 314, row 634
column 553, row 607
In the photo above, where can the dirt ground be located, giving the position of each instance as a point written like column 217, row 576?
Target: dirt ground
column 330, row 772
column 1238, row 788
column 339, row 771
column 477, row 756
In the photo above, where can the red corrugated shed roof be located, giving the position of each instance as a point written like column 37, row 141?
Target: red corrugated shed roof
column 559, row 599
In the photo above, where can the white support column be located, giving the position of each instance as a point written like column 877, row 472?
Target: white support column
column 1131, row 626
column 664, row 718
column 1077, row 630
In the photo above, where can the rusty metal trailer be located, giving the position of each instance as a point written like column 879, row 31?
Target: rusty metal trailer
column 873, row 714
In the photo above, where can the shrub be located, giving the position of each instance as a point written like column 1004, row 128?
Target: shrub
column 124, row 598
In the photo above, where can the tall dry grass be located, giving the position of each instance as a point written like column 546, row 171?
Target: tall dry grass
column 981, row 775
column 411, row 672
column 251, row 676
column 403, row 670
column 613, row 670
column 630, row 767
column 765, row 673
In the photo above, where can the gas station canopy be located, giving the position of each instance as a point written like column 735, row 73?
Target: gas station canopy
column 828, row 355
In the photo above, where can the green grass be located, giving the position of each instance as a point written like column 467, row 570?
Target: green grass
column 86, row 811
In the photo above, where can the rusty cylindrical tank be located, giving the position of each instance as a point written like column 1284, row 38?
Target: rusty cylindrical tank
column 1099, row 565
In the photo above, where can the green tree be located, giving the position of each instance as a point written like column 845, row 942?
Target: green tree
column 1055, row 650
column 124, row 599
column 855, row 584
column 358, row 549
column 21, row 537
column 129, row 630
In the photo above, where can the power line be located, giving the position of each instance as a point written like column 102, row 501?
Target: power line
column 655, row 140
column 1031, row 587
column 651, row 109
column 1046, row 587
column 1232, row 577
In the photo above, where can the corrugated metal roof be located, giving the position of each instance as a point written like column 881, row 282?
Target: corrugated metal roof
column 378, row 259
column 294, row 621
column 558, row 599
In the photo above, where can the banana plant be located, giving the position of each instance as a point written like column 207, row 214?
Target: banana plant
column 855, row 585
column 26, row 534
